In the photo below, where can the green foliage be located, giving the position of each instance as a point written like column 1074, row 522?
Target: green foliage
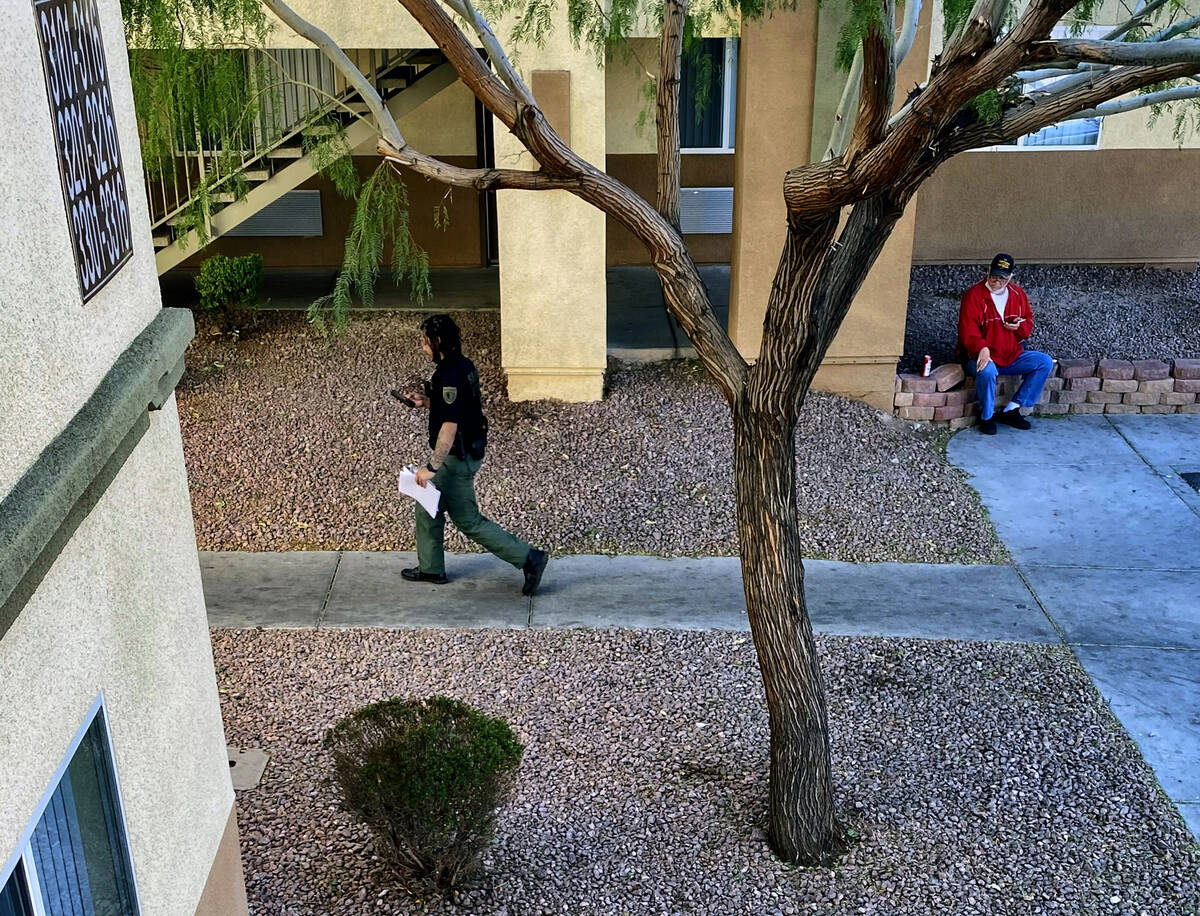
column 988, row 106
column 227, row 286
column 324, row 140
column 188, row 89
column 865, row 16
column 954, row 14
column 1185, row 114
column 441, row 215
column 380, row 216
column 427, row 776
column 534, row 23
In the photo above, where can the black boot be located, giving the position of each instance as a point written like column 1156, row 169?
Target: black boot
column 1014, row 419
column 535, row 565
column 987, row 427
column 414, row 574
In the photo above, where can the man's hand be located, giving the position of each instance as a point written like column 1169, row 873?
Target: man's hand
column 1013, row 323
column 985, row 357
column 418, row 399
column 424, row 475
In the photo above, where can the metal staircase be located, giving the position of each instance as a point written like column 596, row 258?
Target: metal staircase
column 273, row 160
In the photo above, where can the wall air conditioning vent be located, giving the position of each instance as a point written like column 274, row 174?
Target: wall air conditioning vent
column 296, row 213
column 706, row 210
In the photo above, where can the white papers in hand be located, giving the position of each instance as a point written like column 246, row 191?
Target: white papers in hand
column 428, row 496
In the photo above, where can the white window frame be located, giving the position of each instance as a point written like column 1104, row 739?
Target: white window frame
column 1059, row 31
column 728, row 104
column 22, row 857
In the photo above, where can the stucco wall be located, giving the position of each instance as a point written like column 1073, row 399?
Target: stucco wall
column 121, row 611
column 625, row 83
column 706, row 170
column 1062, row 206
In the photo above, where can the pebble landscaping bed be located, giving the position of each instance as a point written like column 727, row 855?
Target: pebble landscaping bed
column 1079, row 311
column 980, row 778
column 292, row 442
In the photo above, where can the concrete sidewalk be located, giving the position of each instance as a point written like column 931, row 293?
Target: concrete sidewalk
column 363, row 589
column 1105, row 530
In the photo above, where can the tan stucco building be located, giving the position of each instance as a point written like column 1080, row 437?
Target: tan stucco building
column 771, row 106
column 115, row 790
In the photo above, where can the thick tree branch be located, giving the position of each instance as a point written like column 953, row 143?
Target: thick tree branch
column 1140, row 17
column 841, row 118
column 1128, row 53
column 908, row 31
column 841, row 276
column 1177, row 28
column 479, row 179
column 918, row 132
column 491, row 45
column 1066, row 69
column 774, row 388
column 1120, row 106
column 670, row 52
column 339, row 58
column 1034, row 114
column 977, row 32
column 878, row 86
column 1077, row 74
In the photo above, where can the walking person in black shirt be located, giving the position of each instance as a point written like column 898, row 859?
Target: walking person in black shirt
column 458, row 436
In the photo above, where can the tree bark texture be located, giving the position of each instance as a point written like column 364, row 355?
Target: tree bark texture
column 667, row 110
column 801, row 822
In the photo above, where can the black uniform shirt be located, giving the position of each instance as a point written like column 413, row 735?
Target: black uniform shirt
column 454, row 398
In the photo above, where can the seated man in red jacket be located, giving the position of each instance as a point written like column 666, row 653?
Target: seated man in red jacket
column 993, row 322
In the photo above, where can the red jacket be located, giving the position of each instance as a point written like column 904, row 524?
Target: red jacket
column 980, row 325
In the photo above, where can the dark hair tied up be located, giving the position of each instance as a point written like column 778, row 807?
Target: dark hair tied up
column 443, row 335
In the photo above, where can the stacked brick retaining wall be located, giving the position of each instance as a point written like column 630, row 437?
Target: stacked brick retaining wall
column 946, row 397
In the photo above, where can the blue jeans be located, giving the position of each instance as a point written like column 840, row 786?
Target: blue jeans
column 1035, row 366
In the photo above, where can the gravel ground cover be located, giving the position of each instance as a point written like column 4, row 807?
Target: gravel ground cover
column 981, row 778
column 1081, row 311
column 292, row 442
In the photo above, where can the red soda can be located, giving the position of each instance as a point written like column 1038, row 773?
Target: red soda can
column 928, row 367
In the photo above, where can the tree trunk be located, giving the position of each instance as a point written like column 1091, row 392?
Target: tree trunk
column 802, row 827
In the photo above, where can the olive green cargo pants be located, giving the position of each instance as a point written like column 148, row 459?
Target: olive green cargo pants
column 456, row 479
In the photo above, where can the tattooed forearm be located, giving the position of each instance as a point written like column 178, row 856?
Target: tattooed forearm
column 445, row 441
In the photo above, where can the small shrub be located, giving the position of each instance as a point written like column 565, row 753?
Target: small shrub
column 427, row 776
column 227, row 286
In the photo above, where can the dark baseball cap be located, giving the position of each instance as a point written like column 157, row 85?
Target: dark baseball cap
column 1002, row 266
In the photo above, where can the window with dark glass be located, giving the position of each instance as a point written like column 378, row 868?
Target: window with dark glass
column 707, row 93
column 76, row 862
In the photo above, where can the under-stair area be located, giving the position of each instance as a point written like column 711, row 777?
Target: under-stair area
column 230, row 186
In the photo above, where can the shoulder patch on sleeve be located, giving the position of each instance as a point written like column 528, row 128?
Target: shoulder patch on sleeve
column 449, row 393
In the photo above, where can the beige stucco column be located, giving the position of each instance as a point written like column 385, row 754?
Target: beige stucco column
column 775, row 82
column 553, row 332
column 798, row 47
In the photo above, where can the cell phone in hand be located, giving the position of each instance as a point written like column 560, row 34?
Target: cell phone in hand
column 402, row 398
